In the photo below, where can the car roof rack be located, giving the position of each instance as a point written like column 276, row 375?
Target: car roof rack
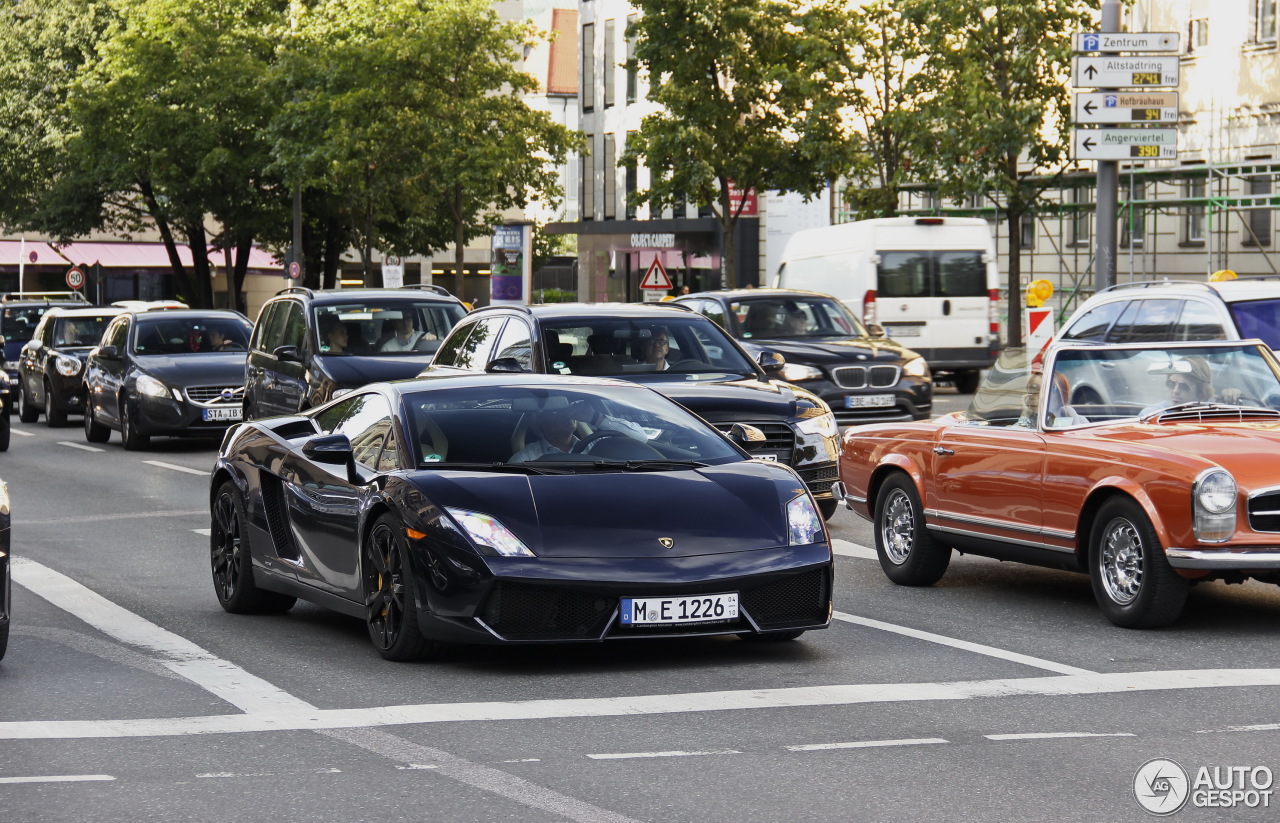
column 1151, row 284
column 431, row 287
column 297, row 290
column 149, row 305
column 46, row 296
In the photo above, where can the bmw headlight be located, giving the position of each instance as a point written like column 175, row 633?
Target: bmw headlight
column 1213, row 505
column 66, row 366
column 824, row 424
column 486, row 531
column 795, row 373
column 916, row 367
column 803, row 521
column 151, row 387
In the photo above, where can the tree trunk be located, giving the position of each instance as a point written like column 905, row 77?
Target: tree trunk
column 333, row 248
column 198, row 243
column 166, row 235
column 459, row 244
column 1017, row 207
column 729, row 253
column 243, row 249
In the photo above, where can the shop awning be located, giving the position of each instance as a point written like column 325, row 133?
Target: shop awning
column 151, row 256
column 30, row 253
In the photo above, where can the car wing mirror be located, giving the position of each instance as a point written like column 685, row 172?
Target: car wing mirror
column 108, row 353
column 746, row 437
column 287, row 354
column 332, row 450
column 505, row 365
column 876, row 330
column 771, row 362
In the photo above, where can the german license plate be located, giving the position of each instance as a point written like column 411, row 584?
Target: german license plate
column 902, row 331
column 865, row 401
column 232, row 413
column 667, row 611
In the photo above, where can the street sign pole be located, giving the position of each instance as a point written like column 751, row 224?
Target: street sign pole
column 1104, row 262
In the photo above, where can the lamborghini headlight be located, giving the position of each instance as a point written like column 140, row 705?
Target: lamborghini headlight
column 1213, row 505
column 487, row 531
column 151, row 387
column 795, row 373
column 824, row 424
column 66, row 366
column 803, row 521
column 916, row 367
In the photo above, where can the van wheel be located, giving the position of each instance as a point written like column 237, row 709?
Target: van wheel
column 966, row 382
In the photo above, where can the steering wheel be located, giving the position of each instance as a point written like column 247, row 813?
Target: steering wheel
column 595, row 437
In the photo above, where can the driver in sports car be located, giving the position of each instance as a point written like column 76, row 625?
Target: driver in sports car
column 559, row 429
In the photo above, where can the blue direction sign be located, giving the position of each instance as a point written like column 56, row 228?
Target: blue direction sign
column 1126, row 107
column 1116, row 41
column 1120, row 72
column 1125, row 144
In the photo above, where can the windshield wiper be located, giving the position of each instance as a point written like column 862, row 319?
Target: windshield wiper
column 518, row 468
column 656, row 465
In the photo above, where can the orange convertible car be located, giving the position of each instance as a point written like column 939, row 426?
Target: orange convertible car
column 1148, row 468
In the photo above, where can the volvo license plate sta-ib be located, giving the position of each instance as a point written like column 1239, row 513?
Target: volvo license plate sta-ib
column 231, row 414
column 668, row 611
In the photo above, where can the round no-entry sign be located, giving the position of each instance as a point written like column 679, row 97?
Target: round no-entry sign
column 75, row 277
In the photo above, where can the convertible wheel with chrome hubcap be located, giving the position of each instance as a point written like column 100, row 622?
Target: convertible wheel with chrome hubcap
column 908, row 553
column 1132, row 580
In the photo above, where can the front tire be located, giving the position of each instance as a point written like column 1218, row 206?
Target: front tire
column 54, row 417
column 828, row 508
column 231, row 561
column 94, row 432
column 134, row 440
column 908, row 553
column 6, row 426
column 26, row 412
column 966, row 382
column 1134, row 584
column 392, row 614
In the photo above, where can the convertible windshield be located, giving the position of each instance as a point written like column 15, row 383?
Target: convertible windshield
column 1107, row 383
column 576, row 428
column 687, row 348
column 390, row 327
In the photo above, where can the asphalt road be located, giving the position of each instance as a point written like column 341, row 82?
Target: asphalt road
column 999, row 694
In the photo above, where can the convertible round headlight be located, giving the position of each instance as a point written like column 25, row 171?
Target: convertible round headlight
column 916, row 367
column 795, row 373
column 1215, row 492
column 67, row 366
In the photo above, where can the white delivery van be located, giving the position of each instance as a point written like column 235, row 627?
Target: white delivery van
column 931, row 282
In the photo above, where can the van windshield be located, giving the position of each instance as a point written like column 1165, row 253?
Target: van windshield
column 932, row 274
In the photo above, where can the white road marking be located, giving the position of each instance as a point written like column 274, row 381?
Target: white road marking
column 964, row 645
column 865, row 744
column 850, row 549
column 226, row 680
column 186, row 469
column 1055, row 735
column 98, row 518
column 413, row 767
column 525, row 760
column 21, row 433
column 80, row 446
column 205, row 532
column 286, row 719
column 57, row 778
column 631, row 755
column 1263, row 727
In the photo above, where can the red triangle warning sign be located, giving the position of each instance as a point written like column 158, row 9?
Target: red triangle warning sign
column 656, row 277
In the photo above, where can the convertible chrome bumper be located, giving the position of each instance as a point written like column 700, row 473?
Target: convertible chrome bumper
column 1223, row 559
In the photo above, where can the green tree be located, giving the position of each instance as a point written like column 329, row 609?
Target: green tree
column 750, row 96
column 1000, row 105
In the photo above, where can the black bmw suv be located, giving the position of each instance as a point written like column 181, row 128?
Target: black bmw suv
column 310, row 346
column 864, row 376
column 669, row 348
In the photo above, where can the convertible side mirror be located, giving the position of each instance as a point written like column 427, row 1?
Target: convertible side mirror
column 287, row 354
column 333, row 450
column 771, row 362
column 746, row 437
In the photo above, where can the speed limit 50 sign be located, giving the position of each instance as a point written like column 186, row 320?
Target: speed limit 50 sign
column 75, row 277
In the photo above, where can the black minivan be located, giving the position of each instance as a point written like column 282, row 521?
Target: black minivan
column 310, row 346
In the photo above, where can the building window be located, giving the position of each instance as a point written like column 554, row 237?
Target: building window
column 1028, row 226
column 1258, row 225
column 1198, row 36
column 610, row 168
column 631, row 58
column 629, row 186
column 588, row 199
column 588, row 67
column 1133, row 226
column 1081, row 215
column 1264, row 20
column 1193, row 215
column 610, row 63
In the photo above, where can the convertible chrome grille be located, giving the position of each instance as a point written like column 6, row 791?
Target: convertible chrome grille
column 216, row 395
column 866, row 377
column 801, row 599
column 1264, row 511
column 1216, row 414
column 519, row 611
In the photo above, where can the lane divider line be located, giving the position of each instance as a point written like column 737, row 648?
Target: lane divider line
column 847, row 548
column 865, row 744
column 963, row 645
column 1055, row 735
column 21, row 433
column 57, row 778
column 204, row 532
column 80, row 446
column 634, row 755
column 173, row 467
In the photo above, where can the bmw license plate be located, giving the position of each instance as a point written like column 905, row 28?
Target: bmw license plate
column 667, row 611
column 232, row 414
column 863, row 401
